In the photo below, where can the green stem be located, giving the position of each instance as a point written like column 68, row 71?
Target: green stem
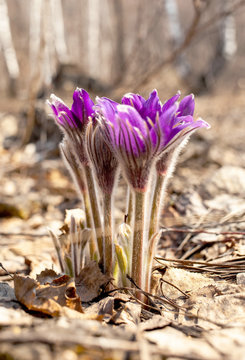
column 108, row 234
column 156, row 206
column 95, row 208
column 138, row 241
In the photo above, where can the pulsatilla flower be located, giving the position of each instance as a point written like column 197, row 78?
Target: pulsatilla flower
column 73, row 121
column 127, row 134
column 139, row 131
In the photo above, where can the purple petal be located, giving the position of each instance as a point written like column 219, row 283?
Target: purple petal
column 82, row 106
column 62, row 113
column 164, row 125
column 151, row 107
column 128, row 113
column 58, row 105
column 179, row 120
column 170, row 102
column 134, row 100
column 187, row 106
column 106, row 107
column 185, row 128
column 135, row 127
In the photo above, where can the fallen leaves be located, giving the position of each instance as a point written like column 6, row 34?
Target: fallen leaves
column 56, row 295
column 48, row 298
column 89, row 281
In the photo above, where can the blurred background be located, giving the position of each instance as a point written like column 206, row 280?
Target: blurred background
column 110, row 47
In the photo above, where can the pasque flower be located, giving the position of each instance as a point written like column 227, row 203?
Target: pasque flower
column 73, row 122
column 140, row 132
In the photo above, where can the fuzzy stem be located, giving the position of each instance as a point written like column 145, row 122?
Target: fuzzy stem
column 138, row 241
column 95, row 208
column 108, row 233
column 90, row 224
column 87, row 208
column 156, row 206
column 150, row 255
column 78, row 176
column 129, row 206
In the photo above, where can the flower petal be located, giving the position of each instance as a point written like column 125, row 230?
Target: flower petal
column 82, row 106
column 170, row 102
column 134, row 100
column 106, row 107
column 151, row 107
column 62, row 113
column 187, row 105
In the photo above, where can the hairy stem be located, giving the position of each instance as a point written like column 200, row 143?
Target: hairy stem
column 129, row 206
column 108, row 233
column 90, row 223
column 156, row 206
column 138, row 241
column 149, row 260
column 95, row 209
column 79, row 179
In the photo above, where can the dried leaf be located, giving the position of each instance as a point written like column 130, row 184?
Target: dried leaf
column 48, row 298
column 89, row 282
column 47, row 276
column 127, row 314
column 156, row 322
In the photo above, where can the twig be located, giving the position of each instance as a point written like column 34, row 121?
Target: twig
column 7, row 272
column 202, row 264
column 200, row 231
column 174, row 286
column 220, row 15
column 22, row 234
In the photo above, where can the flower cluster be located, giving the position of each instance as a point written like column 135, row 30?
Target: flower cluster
column 139, row 138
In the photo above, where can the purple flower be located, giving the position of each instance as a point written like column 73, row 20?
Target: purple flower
column 79, row 114
column 139, row 131
column 73, row 121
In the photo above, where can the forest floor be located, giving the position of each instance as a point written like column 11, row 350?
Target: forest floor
column 204, row 221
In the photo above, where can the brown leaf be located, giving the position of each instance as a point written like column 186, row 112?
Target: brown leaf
column 48, row 298
column 47, row 276
column 89, row 282
column 73, row 301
